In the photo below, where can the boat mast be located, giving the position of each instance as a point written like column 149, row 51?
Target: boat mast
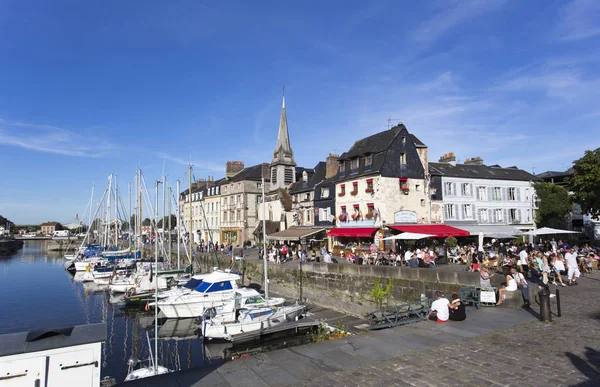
column 265, row 263
column 139, row 221
column 107, row 214
column 190, row 205
column 116, row 214
column 164, row 226
column 178, row 226
column 156, row 283
column 89, row 218
column 170, row 244
column 129, row 220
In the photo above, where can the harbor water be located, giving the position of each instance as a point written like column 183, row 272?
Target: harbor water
column 37, row 293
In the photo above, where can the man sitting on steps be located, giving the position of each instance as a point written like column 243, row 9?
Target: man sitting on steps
column 439, row 309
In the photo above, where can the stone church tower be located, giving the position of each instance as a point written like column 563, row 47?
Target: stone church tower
column 283, row 166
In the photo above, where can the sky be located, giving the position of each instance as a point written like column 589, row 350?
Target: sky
column 93, row 88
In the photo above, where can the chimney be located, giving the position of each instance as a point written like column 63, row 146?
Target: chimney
column 474, row 161
column 448, row 158
column 233, row 167
column 331, row 165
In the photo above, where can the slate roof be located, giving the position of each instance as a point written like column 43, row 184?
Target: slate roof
column 479, row 172
column 551, row 174
column 418, row 143
column 376, row 143
column 251, row 173
column 315, row 176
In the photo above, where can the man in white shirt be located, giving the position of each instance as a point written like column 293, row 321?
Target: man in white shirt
column 408, row 256
column 439, row 309
column 327, row 257
column 572, row 268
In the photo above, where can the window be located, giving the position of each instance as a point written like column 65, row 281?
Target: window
column 325, row 192
column 224, row 188
column 325, row 214
column 273, row 176
column 370, row 211
column 512, row 194
column 354, row 188
column 341, row 168
column 239, row 199
column 403, row 140
column 514, row 215
column 422, row 202
column 404, row 186
column 307, row 198
column 342, row 190
column 239, row 216
column 259, row 185
column 402, row 158
column 449, row 188
column 467, row 211
column 482, row 215
column 305, row 177
column 417, row 187
column 368, row 161
column 498, row 215
column 465, row 189
column 354, row 164
column 497, row 193
column 369, row 185
column 528, row 216
column 449, row 211
column 481, row 193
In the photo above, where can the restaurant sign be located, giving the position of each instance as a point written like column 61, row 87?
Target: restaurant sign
column 405, row 217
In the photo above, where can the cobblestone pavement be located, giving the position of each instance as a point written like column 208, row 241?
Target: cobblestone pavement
column 565, row 352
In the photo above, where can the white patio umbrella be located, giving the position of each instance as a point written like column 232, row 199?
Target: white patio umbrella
column 480, row 240
column 409, row 236
column 549, row 231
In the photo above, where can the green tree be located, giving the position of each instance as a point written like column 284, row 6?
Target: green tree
column 554, row 204
column 147, row 222
column 585, row 182
column 166, row 220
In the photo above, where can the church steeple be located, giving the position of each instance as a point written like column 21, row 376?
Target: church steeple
column 283, row 166
column 283, row 153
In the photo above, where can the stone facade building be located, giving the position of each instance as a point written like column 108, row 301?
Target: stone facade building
column 382, row 180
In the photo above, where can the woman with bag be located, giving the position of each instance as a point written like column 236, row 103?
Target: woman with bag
column 521, row 284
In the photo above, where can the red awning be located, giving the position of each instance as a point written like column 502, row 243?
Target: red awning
column 403, row 179
column 439, row 230
column 352, row 231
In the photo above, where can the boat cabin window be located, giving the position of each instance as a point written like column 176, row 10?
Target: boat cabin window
column 207, row 287
column 261, row 313
column 254, row 300
column 192, row 283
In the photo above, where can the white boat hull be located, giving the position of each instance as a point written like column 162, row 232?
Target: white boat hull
column 146, row 372
column 227, row 331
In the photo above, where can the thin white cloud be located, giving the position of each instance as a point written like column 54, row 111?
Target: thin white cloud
column 51, row 139
column 579, row 20
column 453, row 14
column 198, row 164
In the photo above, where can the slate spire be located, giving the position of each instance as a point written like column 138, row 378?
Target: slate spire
column 283, row 153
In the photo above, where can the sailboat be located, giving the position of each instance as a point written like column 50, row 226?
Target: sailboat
column 136, row 370
column 246, row 318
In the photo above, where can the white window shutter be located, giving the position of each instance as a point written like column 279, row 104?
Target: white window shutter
column 490, row 191
column 454, row 188
column 518, row 194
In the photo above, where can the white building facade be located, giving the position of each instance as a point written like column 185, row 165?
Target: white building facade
column 475, row 194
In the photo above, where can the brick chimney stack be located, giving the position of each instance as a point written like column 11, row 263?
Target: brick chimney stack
column 474, row 161
column 331, row 165
column 448, row 158
column 233, row 167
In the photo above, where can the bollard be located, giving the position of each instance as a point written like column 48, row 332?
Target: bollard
column 545, row 312
column 558, row 312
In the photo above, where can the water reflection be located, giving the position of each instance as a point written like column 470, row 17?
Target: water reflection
column 39, row 294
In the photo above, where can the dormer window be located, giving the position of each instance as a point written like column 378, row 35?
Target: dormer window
column 341, row 168
column 354, row 164
column 403, row 140
column 368, row 161
column 305, row 177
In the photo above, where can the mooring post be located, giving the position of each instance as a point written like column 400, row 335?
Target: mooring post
column 545, row 312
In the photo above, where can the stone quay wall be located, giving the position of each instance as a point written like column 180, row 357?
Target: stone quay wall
column 349, row 288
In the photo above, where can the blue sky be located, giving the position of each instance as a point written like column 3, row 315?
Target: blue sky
column 92, row 88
